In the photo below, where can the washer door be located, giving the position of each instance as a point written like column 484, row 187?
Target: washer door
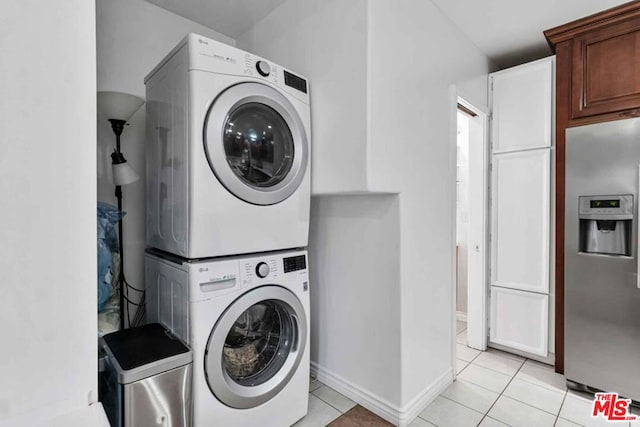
column 255, row 347
column 256, row 143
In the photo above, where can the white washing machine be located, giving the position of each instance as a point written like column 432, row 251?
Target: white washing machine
column 228, row 153
column 247, row 322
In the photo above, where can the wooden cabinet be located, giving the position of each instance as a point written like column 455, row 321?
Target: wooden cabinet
column 606, row 70
column 602, row 53
column 597, row 80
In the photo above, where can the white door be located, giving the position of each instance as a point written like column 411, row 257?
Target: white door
column 478, row 178
column 521, row 129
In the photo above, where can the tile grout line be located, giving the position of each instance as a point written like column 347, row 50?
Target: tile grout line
column 457, row 403
column 529, row 383
column 510, row 397
column 341, row 413
column 468, row 407
column 561, row 405
column 513, row 376
column 546, row 387
column 486, row 414
column 494, row 370
column 461, row 370
column 468, row 363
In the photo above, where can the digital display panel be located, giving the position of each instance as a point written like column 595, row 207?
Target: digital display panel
column 599, row 204
column 295, row 81
column 295, row 263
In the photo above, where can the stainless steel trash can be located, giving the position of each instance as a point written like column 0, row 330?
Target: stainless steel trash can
column 147, row 378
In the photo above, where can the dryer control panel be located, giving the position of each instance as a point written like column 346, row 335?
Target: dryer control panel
column 212, row 56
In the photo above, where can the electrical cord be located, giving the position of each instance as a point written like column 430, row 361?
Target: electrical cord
column 140, row 313
column 131, row 302
column 129, row 285
column 140, row 306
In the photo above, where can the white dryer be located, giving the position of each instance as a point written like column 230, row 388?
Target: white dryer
column 228, row 153
column 247, row 322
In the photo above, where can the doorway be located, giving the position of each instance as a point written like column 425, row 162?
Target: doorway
column 471, row 231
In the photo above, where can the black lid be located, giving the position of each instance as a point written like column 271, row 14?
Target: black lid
column 136, row 347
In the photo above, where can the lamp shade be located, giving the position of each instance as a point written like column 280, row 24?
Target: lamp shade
column 123, row 174
column 118, row 105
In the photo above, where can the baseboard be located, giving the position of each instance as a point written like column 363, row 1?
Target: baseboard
column 461, row 316
column 392, row 413
column 375, row 404
column 410, row 411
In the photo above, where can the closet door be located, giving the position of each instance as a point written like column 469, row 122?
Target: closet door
column 520, row 251
column 520, row 216
column 522, row 113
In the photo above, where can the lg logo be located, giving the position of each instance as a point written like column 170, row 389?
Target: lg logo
column 203, row 41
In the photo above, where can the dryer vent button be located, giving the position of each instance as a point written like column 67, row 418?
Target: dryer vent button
column 263, row 68
column 262, row 270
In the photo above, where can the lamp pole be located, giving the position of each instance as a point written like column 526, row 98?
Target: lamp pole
column 116, row 156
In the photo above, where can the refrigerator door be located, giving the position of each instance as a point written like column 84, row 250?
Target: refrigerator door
column 602, row 299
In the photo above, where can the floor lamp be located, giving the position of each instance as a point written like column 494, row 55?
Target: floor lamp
column 117, row 108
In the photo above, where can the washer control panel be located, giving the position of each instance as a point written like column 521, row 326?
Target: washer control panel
column 262, row 269
column 259, row 269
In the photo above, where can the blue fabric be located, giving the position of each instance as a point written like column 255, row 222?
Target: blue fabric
column 108, row 217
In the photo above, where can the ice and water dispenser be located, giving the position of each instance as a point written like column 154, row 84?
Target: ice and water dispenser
column 606, row 224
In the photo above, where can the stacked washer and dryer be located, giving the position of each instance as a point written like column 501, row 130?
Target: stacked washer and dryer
column 228, row 194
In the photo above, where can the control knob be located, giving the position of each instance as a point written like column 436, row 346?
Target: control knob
column 262, row 270
column 264, row 69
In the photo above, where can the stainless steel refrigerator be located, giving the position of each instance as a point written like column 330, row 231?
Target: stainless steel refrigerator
column 602, row 280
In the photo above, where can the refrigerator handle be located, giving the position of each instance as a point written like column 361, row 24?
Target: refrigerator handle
column 637, row 215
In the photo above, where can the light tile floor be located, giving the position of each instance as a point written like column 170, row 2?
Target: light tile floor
column 493, row 388
column 325, row 405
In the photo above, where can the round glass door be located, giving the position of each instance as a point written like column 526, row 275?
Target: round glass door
column 256, row 143
column 255, row 347
column 258, row 343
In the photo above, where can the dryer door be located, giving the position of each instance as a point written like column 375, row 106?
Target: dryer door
column 255, row 347
column 256, row 143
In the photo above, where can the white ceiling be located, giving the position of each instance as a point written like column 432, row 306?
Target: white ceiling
column 510, row 31
column 507, row 31
column 229, row 17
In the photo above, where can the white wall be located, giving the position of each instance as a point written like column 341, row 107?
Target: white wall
column 132, row 37
column 413, row 56
column 355, row 298
column 48, row 295
column 326, row 40
column 411, row 127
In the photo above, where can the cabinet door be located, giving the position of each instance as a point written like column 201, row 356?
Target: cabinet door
column 522, row 103
column 520, row 320
column 606, row 70
column 520, row 216
column 520, row 220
